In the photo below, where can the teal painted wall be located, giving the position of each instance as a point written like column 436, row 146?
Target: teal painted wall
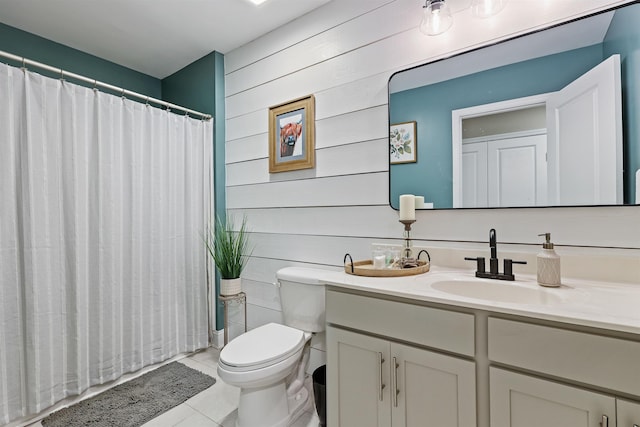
column 430, row 106
column 193, row 86
column 30, row 46
column 623, row 37
column 200, row 86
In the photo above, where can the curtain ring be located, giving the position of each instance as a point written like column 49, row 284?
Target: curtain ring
column 123, row 97
column 147, row 103
column 61, row 75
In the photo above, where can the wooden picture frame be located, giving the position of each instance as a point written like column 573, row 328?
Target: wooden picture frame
column 403, row 143
column 292, row 135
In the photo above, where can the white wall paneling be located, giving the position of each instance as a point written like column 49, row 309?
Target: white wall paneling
column 399, row 50
column 344, row 53
column 248, row 148
column 249, row 124
column 347, row 159
column 261, row 293
column 354, row 221
column 336, row 41
column 263, row 270
column 353, row 96
column 327, row 250
column 307, row 26
column 617, row 226
column 370, row 189
column 361, row 125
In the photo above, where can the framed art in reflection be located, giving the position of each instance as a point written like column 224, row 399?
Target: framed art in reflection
column 403, row 147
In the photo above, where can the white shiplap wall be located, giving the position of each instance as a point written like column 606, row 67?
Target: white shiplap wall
column 344, row 54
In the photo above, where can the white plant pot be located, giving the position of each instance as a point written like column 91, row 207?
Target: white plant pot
column 230, row 286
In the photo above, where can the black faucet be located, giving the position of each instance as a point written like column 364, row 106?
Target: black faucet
column 493, row 247
column 493, row 272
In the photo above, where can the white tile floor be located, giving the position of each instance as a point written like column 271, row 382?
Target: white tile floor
column 214, row 407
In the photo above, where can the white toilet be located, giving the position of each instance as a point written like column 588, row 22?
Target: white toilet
column 269, row 363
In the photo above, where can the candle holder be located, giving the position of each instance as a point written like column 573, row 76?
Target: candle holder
column 407, row 260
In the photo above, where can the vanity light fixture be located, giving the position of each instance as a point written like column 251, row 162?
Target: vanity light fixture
column 486, row 8
column 436, row 17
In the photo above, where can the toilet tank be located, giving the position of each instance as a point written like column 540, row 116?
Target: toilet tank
column 302, row 297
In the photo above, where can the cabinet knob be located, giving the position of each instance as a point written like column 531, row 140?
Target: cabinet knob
column 605, row 421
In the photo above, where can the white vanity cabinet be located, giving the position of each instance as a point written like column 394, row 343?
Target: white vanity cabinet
column 394, row 360
column 375, row 382
column 375, row 377
column 628, row 413
column 519, row 400
column 358, row 379
column 568, row 356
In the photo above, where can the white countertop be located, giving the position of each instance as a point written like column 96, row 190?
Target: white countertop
column 613, row 306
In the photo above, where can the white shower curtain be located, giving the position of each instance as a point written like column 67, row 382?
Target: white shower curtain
column 103, row 202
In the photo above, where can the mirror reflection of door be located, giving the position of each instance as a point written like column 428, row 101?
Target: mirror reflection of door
column 584, row 122
column 503, row 155
column 510, row 170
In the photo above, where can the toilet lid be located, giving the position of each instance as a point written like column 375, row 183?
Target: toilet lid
column 262, row 346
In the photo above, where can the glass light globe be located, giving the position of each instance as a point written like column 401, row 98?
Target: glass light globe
column 436, row 18
column 487, row 8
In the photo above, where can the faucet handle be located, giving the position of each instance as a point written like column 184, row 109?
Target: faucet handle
column 508, row 266
column 479, row 263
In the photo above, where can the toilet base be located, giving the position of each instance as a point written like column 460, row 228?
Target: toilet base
column 270, row 406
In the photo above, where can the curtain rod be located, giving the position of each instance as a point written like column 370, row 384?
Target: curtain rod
column 97, row 83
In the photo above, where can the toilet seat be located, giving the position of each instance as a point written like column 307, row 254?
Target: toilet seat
column 264, row 346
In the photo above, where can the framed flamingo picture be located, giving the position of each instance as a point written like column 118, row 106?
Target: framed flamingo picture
column 292, row 135
column 403, row 147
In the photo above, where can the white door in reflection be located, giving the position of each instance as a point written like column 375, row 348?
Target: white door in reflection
column 507, row 170
column 584, row 124
column 562, row 148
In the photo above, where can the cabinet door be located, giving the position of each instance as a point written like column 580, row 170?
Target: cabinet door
column 523, row 401
column 431, row 389
column 628, row 413
column 357, row 380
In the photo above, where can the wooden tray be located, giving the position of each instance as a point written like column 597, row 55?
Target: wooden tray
column 365, row 268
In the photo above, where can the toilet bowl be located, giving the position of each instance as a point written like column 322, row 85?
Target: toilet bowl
column 259, row 362
column 269, row 363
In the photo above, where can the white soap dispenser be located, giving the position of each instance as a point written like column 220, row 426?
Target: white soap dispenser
column 548, row 264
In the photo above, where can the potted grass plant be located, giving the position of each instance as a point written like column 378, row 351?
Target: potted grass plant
column 228, row 249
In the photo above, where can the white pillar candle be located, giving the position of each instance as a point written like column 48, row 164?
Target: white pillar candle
column 419, row 202
column 407, row 207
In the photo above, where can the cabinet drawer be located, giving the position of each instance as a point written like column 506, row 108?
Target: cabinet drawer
column 432, row 327
column 588, row 358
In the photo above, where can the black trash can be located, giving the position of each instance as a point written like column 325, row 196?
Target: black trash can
column 320, row 393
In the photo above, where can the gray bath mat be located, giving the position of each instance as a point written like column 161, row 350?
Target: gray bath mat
column 135, row 402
